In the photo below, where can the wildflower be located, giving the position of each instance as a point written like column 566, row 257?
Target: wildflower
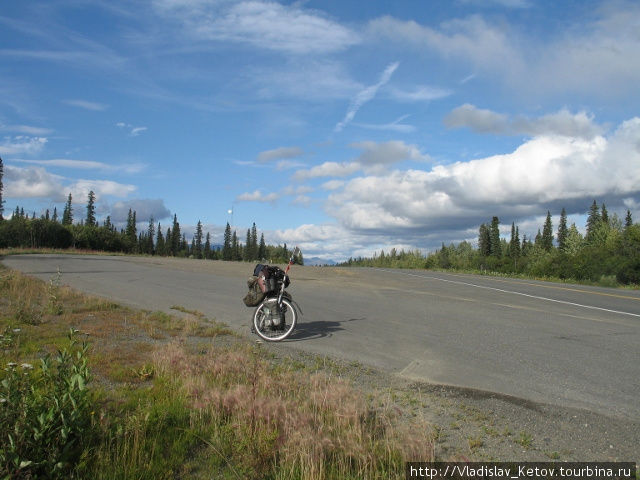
column 16, row 330
column 12, row 365
column 3, row 400
column 27, row 366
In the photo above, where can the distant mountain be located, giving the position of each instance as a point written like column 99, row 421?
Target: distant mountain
column 317, row 261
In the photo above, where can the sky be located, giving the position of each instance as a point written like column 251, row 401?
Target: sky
column 344, row 127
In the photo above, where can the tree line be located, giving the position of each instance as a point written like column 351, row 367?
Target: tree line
column 608, row 253
column 51, row 230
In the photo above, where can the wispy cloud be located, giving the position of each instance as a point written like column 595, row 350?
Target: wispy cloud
column 133, row 131
column 22, row 145
column 27, row 130
column 423, row 93
column 87, row 105
column 268, row 25
column 395, row 126
column 366, row 95
column 280, row 153
column 131, row 168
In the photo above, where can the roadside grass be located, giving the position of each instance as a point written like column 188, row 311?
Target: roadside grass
column 150, row 395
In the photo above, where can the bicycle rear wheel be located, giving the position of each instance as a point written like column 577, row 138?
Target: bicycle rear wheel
column 273, row 323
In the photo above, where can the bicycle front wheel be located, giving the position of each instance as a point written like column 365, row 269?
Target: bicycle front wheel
column 272, row 322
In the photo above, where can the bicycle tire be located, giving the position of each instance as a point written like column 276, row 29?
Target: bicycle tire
column 264, row 316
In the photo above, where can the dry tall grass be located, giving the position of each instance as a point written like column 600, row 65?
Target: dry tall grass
column 289, row 423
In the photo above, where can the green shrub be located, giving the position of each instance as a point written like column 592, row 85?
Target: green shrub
column 45, row 414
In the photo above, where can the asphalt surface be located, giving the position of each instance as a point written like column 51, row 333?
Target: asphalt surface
column 558, row 344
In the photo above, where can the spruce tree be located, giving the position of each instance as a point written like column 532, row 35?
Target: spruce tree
column 90, row 221
column 55, row 214
column 160, row 249
column 262, row 248
column 254, row 242
column 604, row 216
column 514, row 244
column 151, row 233
column 175, row 243
column 494, row 237
column 247, row 247
column 67, row 214
column 131, row 230
column 226, row 246
column 547, row 233
column 207, row 246
column 628, row 221
column 484, row 241
column 235, row 247
column 197, row 240
column 593, row 220
column 562, row 231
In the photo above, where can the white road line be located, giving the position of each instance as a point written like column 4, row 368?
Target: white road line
column 512, row 292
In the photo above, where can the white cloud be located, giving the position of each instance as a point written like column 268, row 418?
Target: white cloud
column 27, row 130
column 333, row 184
column 484, row 45
column 424, row 93
column 269, row 25
column 366, row 95
column 563, row 122
column 597, row 57
column 328, row 169
column 32, row 182
column 22, row 145
column 145, row 208
column 280, row 153
column 257, row 196
column 133, row 131
column 80, row 188
column 375, row 158
column 395, row 126
column 130, row 168
column 87, row 105
column 544, row 171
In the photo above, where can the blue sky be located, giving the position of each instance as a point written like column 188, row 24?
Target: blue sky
column 341, row 126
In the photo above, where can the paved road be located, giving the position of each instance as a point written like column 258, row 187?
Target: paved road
column 565, row 345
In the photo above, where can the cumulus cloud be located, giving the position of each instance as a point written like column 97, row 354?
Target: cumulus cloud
column 32, row 182
column 269, row 25
column 366, row 95
column 328, row 169
column 37, row 182
column 280, row 153
column 563, row 122
column 544, row 171
column 145, row 209
column 22, row 145
column 81, row 188
column 375, row 158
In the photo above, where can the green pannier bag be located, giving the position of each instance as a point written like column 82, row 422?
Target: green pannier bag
column 254, row 296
